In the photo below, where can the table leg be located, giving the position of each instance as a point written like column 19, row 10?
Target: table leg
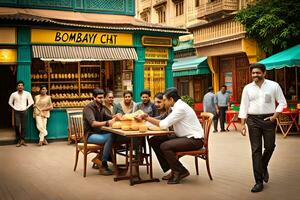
column 131, row 176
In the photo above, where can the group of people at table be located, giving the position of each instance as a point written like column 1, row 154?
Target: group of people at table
column 187, row 128
column 258, row 110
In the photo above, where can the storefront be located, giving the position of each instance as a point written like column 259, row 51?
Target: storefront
column 192, row 77
column 191, row 73
column 72, row 59
column 283, row 68
column 229, row 53
column 8, row 64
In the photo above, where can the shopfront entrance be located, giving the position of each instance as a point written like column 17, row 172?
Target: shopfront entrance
column 7, row 86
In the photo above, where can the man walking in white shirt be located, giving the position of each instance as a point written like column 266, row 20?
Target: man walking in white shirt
column 20, row 101
column 258, row 107
column 188, row 135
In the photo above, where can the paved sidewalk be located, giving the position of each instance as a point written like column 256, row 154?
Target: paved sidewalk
column 41, row 173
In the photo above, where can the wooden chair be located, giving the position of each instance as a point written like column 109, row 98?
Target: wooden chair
column 83, row 147
column 70, row 112
column 206, row 120
column 285, row 123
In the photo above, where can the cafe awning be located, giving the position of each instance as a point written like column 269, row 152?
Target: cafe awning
column 287, row 58
column 190, row 66
column 80, row 53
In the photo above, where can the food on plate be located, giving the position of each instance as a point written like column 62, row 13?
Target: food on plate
column 125, row 127
column 117, row 125
column 131, row 116
column 135, row 127
column 143, row 128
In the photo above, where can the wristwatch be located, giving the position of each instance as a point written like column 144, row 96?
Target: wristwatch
column 107, row 123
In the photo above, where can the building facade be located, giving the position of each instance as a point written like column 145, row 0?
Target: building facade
column 190, row 76
column 223, row 40
column 74, row 46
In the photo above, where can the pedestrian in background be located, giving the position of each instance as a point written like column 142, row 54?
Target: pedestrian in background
column 258, row 107
column 41, row 112
column 209, row 106
column 20, row 101
column 221, row 104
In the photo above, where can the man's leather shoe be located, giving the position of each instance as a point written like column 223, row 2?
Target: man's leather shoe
column 18, row 145
column 178, row 176
column 266, row 176
column 258, row 187
column 105, row 171
column 168, row 176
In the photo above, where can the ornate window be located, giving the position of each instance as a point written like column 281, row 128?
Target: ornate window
column 179, row 6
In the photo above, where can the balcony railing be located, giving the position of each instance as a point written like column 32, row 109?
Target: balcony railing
column 217, row 7
column 218, row 31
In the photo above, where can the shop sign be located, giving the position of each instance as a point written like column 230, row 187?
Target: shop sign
column 157, row 41
column 156, row 62
column 39, row 36
column 8, row 55
column 156, row 53
column 8, row 35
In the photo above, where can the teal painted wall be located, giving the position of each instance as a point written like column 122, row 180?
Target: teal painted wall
column 168, row 71
column 24, row 70
column 138, row 72
column 118, row 7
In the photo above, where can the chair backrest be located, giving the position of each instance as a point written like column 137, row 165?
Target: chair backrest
column 206, row 121
column 77, row 123
column 284, row 119
column 71, row 112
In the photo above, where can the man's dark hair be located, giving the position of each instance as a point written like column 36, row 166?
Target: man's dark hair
column 43, row 86
column 172, row 92
column 159, row 95
column 20, row 82
column 97, row 91
column 210, row 88
column 128, row 92
column 260, row 66
column 224, row 86
column 146, row 91
column 108, row 92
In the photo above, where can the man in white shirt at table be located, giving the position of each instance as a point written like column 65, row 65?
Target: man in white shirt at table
column 20, row 101
column 188, row 135
column 258, row 107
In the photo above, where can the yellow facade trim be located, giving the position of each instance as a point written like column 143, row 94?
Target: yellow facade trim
column 44, row 36
column 252, row 50
column 8, row 35
column 8, row 55
column 215, row 75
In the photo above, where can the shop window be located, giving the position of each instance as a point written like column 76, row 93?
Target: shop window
column 288, row 79
column 179, row 8
column 183, row 88
column 154, row 79
column 291, row 83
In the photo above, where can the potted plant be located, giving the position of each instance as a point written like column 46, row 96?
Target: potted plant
column 189, row 100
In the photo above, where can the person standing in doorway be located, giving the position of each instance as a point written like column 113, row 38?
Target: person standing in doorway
column 41, row 113
column 209, row 106
column 258, row 107
column 20, row 101
column 221, row 104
